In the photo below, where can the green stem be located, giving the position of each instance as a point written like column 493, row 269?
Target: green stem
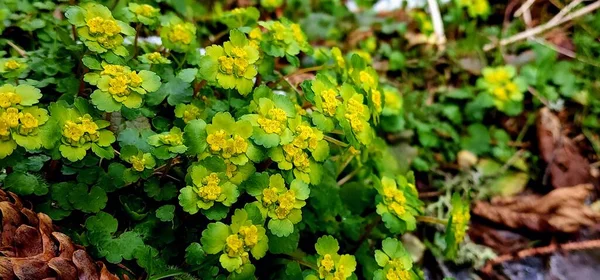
column 430, row 220
column 335, row 141
column 348, row 177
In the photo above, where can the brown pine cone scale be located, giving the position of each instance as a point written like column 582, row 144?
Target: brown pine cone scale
column 31, row 249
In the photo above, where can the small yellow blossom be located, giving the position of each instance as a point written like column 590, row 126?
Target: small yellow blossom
column 234, row 246
column 249, row 234
column 180, row 33
column 73, row 131
column 326, row 265
column 8, row 99
column 138, row 163
column 12, row 64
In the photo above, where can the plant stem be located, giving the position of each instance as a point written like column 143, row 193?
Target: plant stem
column 430, row 220
column 334, row 141
column 135, row 41
column 348, row 177
column 305, row 70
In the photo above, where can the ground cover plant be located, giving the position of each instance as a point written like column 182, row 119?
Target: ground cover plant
column 293, row 139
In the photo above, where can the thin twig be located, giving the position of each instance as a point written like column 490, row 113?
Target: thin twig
column 571, row 246
column 524, row 8
column 305, row 70
column 566, row 10
column 436, row 19
column 544, row 27
column 19, row 50
column 430, row 220
column 348, row 177
column 334, row 141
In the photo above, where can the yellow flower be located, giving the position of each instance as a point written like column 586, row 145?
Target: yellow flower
column 210, row 192
column 397, row 274
column 366, row 78
column 330, row 101
column 134, row 79
column 8, row 99
column 326, row 265
column 172, row 139
column 240, row 145
column 376, row 98
column 100, row 26
column 146, row 10
column 191, row 113
column 297, row 32
column 113, row 70
column 226, row 64
column 354, row 113
column 138, row 163
column 286, row 204
column 274, row 122
column 88, row 125
column 28, row 123
column 73, row 131
column 4, row 128
column 180, row 33
column 12, row 64
column 460, row 220
column 216, row 140
column 269, row 196
column 497, row 76
column 234, row 245
column 118, row 87
column 250, row 235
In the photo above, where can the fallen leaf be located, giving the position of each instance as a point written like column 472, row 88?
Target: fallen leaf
column 566, row 166
column 562, row 210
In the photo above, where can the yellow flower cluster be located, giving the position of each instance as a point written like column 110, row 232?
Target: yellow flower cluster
column 367, row 80
column 326, row 265
column 274, row 121
column 355, row 112
column 25, row 123
column 501, row 81
column 460, row 220
column 81, row 131
column 138, row 163
column 376, row 99
column 12, row 64
column 228, row 145
column 119, row 85
column 103, row 27
column 476, row 7
column 146, row 10
column 285, row 201
column 239, row 243
column 330, row 101
column 9, row 99
column 397, row 274
column 297, row 157
column 191, row 113
column 255, row 36
column 173, row 139
column 210, row 189
column 394, row 198
column 181, row 33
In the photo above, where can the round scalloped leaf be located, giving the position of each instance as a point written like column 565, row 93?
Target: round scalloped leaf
column 104, row 101
column 213, row 237
column 281, row 228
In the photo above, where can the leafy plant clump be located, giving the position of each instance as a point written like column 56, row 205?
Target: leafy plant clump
column 181, row 143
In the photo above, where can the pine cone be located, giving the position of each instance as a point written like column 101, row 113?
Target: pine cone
column 30, row 249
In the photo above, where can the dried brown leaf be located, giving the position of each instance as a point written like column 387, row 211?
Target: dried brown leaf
column 566, row 166
column 562, row 210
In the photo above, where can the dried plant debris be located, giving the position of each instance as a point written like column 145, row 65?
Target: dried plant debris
column 562, row 210
column 30, row 249
column 566, row 166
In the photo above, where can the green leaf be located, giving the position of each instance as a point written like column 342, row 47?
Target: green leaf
column 21, row 183
column 102, row 222
column 188, row 199
column 213, row 237
column 166, row 213
column 194, row 254
column 327, row 245
column 104, row 101
column 284, row 245
column 281, row 228
column 90, row 201
column 194, row 136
